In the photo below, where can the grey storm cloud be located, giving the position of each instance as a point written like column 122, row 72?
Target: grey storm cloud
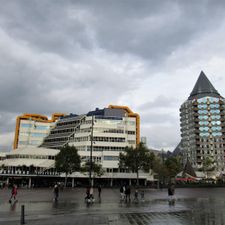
column 158, row 118
column 73, row 56
column 149, row 29
column 159, row 102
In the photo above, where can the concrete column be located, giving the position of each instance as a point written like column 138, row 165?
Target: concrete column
column 111, row 182
column 7, row 181
column 72, row 182
column 129, row 182
column 145, row 182
column 30, row 181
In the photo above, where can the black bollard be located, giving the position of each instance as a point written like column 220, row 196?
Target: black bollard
column 22, row 218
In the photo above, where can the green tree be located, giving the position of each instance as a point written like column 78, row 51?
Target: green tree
column 208, row 165
column 166, row 169
column 136, row 159
column 97, row 169
column 67, row 161
column 159, row 168
column 173, row 166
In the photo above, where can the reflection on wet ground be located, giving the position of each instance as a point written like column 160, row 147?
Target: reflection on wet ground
column 192, row 206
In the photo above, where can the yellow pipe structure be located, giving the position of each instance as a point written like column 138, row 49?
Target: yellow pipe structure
column 130, row 113
column 33, row 117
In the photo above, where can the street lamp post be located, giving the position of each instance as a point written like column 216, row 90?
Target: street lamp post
column 90, row 168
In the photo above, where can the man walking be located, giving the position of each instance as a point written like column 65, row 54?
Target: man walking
column 99, row 191
column 13, row 194
column 56, row 192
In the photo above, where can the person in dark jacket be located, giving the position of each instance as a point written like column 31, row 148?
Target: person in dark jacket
column 127, row 193
column 99, row 191
column 171, row 192
column 56, row 192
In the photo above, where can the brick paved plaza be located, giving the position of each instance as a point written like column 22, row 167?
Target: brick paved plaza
column 193, row 206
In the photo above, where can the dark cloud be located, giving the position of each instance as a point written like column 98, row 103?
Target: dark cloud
column 159, row 118
column 150, row 29
column 159, row 102
column 73, row 56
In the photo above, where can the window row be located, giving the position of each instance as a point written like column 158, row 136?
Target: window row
column 212, row 128
column 205, row 106
column 30, row 142
column 105, row 148
column 207, row 117
column 111, row 158
column 37, row 127
column 213, row 111
column 30, row 157
column 214, row 134
column 109, row 139
column 210, row 99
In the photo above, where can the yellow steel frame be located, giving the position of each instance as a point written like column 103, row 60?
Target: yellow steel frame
column 130, row 113
column 33, row 117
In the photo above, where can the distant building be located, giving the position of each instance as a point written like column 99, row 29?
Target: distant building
column 28, row 165
column 113, row 129
column 202, row 118
column 31, row 129
column 104, row 132
column 177, row 150
column 144, row 140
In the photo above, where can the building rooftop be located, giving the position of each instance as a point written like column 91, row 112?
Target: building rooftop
column 203, row 88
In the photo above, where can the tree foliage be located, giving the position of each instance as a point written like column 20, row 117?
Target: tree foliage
column 67, row 160
column 207, row 165
column 168, row 168
column 173, row 166
column 96, row 168
column 135, row 159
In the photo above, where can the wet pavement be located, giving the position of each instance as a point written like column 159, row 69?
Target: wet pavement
column 192, row 206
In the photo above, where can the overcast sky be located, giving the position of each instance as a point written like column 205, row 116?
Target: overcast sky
column 74, row 56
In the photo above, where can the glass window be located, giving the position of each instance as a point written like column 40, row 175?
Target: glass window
column 38, row 135
column 216, row 134
column 215, row 116
column 111, row 158
column 204, row 134
column 216, row 128
column 40, row 127
column 214, row 106
column 203, row 117
column 211, row 99
column 25, row 125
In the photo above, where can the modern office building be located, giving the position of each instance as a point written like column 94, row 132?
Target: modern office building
column 112, row 129
column 103, row 132
column 106, row 132
column 202, row 118
column 32, row 128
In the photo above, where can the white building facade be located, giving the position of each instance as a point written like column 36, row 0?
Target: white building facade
column 106, row 132
column 31, row 129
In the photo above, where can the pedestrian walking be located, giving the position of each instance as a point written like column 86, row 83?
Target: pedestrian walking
column 87, row 198
column 136, row 196
column 99, row 190
column 121, row 193
column 142, row 194
column 13, row 194
column 92, row 194
column 127, row 193
column 56, row 192
column 171, row 192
